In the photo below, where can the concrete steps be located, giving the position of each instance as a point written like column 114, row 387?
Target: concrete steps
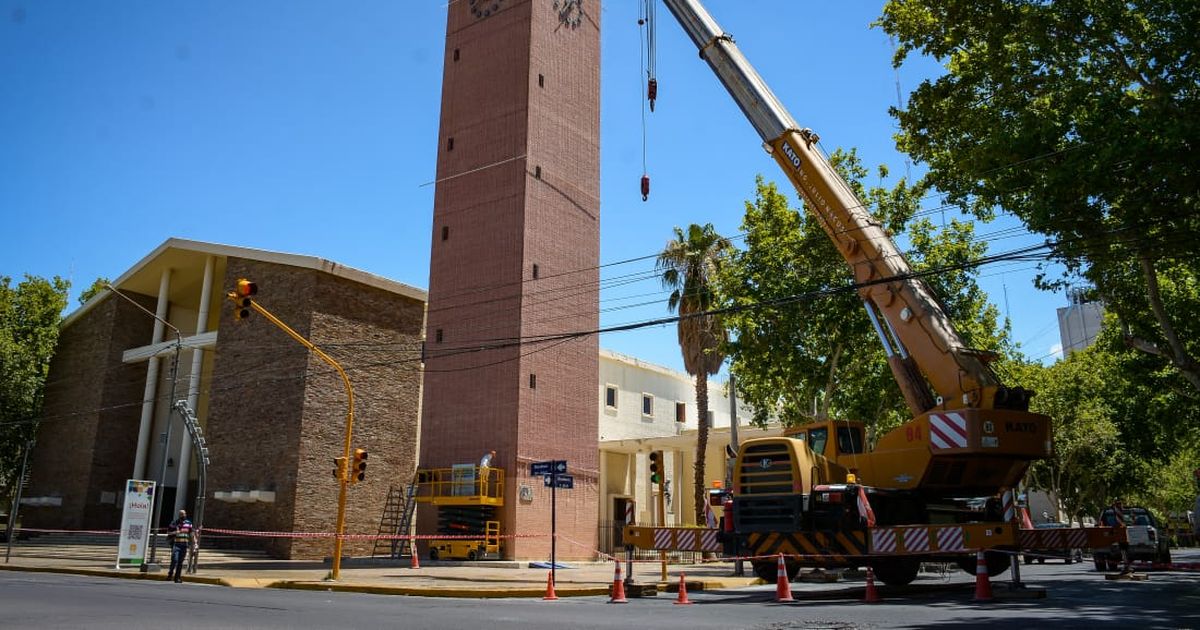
column 104, row 547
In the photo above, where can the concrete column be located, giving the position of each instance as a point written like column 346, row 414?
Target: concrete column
column 185, row 446
column 151, row 390
column 605, row 502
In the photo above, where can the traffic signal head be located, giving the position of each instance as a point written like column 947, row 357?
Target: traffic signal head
column 656, row 467
column 241, row 296
column 339, row 468
column 358, row 469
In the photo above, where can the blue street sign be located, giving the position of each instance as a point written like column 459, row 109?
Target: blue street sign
column 559, row 481
column 553, row 467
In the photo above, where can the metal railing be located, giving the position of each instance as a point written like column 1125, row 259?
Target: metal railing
column 461, row 485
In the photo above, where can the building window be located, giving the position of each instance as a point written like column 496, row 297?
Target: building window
column 648, row 405
column 610, row 396
column 537, row 172
column 532, row 381
column 535, row 271
column 437, row 336
column 680, row 412
column 450, row 144
column 456, row 54
column 445, row 232
column 541, row 80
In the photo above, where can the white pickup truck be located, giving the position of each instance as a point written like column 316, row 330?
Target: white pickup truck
column 1146, row 539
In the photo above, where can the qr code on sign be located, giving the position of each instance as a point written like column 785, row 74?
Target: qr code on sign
column 135, row 531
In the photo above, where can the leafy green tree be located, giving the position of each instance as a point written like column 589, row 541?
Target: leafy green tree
column 99, row 286
column 688, row 266
column 1080, row 118
column 30, row 314
column 1124, row 426
column 802, row 344
column 1089, row 467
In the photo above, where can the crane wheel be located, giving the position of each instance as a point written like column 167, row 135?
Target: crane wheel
column 997, row 563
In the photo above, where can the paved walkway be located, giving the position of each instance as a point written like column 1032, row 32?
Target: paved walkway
column 435, row 579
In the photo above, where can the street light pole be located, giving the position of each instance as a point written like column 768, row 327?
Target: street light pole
column 162, row 469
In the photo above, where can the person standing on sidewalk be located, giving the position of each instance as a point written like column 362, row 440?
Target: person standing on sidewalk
column 181, row 538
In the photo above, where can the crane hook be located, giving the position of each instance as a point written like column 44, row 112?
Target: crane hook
column 645, row 187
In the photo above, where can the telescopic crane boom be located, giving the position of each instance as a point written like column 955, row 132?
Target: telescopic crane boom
column 918, row 337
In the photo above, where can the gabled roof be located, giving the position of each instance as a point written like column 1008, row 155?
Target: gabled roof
column 186, row 259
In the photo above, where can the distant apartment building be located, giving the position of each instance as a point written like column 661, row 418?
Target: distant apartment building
column 1079, row 322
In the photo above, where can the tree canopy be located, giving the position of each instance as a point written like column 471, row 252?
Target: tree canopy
column 802, row 344
column 30, row 314
column 1123, row 428
column 1081, row 118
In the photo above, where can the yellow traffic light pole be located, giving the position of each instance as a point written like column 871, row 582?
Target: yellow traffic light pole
column 343, row 473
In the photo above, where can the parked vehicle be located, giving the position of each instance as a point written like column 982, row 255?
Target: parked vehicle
column 1147, row 540
column 1040, row 555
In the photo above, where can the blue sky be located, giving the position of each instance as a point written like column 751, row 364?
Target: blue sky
column 310, row 127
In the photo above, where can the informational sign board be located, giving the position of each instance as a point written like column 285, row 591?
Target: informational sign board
column 559, row 481
column 552, row 467
column 135, row 523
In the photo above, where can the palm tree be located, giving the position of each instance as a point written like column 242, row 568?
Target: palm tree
column 688, row 268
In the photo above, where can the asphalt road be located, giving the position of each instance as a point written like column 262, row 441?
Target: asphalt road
column 1076, row 597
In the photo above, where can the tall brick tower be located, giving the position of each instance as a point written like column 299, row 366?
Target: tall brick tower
column 516, row 238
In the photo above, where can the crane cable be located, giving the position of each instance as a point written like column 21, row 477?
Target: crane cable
column 646, row 56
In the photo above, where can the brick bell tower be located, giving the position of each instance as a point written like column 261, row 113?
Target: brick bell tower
column 516, row 239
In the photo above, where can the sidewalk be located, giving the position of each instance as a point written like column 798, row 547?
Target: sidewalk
column 432, row 579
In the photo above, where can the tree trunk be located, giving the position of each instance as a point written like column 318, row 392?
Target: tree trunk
column 701, row 444
column 1175, row 352
column 830, row 383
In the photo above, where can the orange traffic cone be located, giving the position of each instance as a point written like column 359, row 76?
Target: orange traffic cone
column 872, row 596
column 783, row 588
column 416, row 562
column 983, row 584
column 618, row 592
column 550, row 596
column 682, row 591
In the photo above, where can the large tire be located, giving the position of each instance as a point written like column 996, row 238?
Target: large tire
column 897, row 572
column 765, row 571
column 471, row 555
column 1028, row 559
column 1099, row 562
column 997, row 563
column 769, row 571
column 433, row 553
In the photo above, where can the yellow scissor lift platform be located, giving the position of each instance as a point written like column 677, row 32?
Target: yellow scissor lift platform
column 466, row 498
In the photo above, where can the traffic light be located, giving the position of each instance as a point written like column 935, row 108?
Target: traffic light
column 339, row 468
column 358, row 470
column 242, row 297
column 656, row 467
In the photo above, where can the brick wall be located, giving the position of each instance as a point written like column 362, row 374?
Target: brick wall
column 88, row 433
column 520, row 118
column 278, row 414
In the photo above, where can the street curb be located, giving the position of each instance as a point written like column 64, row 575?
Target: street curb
column 113, row 573
column 480, row 593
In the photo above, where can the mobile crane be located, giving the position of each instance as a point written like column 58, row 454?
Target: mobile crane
column 935, row 483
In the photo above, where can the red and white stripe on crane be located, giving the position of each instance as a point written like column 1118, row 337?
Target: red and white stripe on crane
column 947, row 430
